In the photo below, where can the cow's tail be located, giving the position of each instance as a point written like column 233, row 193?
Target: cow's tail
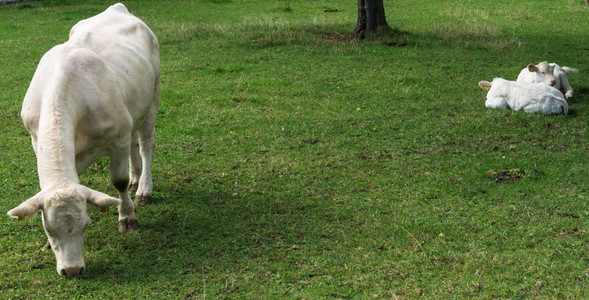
column 570, row 70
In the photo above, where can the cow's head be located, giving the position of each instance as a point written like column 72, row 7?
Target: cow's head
column 65, row 220
column 542, row 72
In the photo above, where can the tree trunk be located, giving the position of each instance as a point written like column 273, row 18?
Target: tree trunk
column 371, row 18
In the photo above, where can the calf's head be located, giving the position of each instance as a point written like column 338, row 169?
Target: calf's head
column 65, row 220
column 485, row 85
column 542, row 72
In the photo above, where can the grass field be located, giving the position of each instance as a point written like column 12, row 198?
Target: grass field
column 295, row 162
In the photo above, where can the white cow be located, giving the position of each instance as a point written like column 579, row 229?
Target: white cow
column 529, row 97
column 551, row 73
column 95, row 95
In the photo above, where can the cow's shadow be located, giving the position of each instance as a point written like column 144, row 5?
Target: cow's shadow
column 171, row 241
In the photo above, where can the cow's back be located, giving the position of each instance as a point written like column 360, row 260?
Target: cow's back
column 116, row 29
column 128, row 47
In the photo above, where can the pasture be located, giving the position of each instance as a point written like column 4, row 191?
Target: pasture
column 295, row 162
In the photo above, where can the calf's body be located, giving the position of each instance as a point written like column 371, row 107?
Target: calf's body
column 95, row 95
column 529, row 97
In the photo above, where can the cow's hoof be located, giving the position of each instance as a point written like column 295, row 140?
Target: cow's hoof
column 142, row 200
column 128, row 225
column 47, row 246
column 133, row 187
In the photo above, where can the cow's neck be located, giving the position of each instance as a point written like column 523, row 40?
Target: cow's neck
column 56, row 156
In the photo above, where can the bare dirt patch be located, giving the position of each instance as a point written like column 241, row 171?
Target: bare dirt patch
column 507, row 175
column 396, row 44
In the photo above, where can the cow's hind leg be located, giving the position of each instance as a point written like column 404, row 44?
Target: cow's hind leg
column 135, row 164
column 498, row 103
column 119, row 176
column 146, row 138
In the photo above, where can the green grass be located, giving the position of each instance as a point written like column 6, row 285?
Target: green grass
column 294, row 162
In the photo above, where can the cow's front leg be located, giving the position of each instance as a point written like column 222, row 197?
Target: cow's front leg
column 566, row 87
column 119, row 176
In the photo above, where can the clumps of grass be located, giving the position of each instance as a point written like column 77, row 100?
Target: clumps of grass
column 268, row 32
column 186, row 32
column 276, row 31
column 469, row 27
column 473, row 35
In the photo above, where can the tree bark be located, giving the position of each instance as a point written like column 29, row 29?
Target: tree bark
column 371, row 18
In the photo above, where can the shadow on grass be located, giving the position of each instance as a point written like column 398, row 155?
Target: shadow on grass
column 264, row 35
column 219, row 231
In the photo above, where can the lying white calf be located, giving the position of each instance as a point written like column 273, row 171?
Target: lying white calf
column 550, row 73
column 529, row 97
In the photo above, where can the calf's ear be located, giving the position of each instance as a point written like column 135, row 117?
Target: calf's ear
column 485, row 85
column 27, row 209
column 101, row 200
column 532, row 68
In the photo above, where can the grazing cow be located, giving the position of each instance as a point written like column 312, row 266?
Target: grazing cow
column 529, row 97
column 95, row 95
column 550, row 73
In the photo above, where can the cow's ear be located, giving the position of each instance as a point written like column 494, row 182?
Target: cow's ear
column 27, row 209
column 101, row 200
column 532, row 68
column 485, row 85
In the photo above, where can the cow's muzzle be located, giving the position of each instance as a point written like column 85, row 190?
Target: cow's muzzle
column 72, row 271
